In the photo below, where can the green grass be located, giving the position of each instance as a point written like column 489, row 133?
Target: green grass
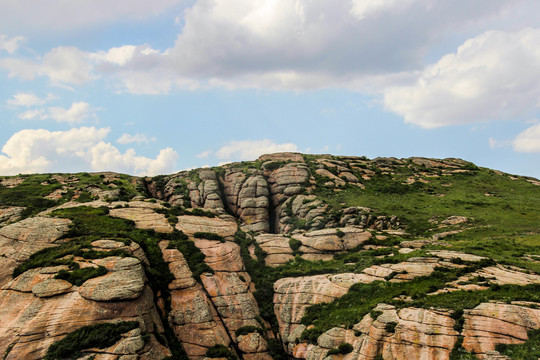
column 93, row 336
column 529, row 350
column 79, row 276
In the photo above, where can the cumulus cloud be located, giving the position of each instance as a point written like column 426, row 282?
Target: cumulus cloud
column 64, row 65
column 82, row 149
column 252, row 149
column 77, row 113
column 137, row 138
column 10, row 45
column 204, row 154
column 492, row 76
column 528, row 140
column 233, row 43
column 29, row 99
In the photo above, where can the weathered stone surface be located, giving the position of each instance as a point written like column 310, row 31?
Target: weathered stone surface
column 183, row 277
column 20, row 240
column 144, row 218
column 419, row 334
column 497, row 323
column 252, row 343
column 125, row 281
column 327, row 174
column 283, row 156
column 221, row 256
column 191, row 224
column 293, row 295
column 51, row 287
column 330, row 240
column 449, row 255
column 233, row 299
column 10, row 214
column 277, row 247
column 31, row 324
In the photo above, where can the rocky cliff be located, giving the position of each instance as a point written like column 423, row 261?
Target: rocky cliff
column 288, row 257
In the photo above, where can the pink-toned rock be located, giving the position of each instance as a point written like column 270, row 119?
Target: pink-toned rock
column 283, row 156
column 233, row 299
column 125, row 281
column 20, row 240
column 252, row 343
column 327, row 174
column 277, row 247
column 221, row 256
column 293, row 295
column 28, row 279
column 191, row 224
column 183, row 277
column 418, row 334
column 449, row 255
column 51, row 287
column 329, row 240
column 489, row 324
column 31, row 324
column 144, row 218
column 407, row 270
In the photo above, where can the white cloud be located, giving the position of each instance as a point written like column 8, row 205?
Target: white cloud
column 77, row 149
column 28, row 99
column 365, row 8
column 10, row 45
column 62, row 65
column 204, row 154
column 137, row 138
column 232, row 43
column 492, row 76
column 32, row 114
column 528, row 140
column 60, row 15
column 78, row 112
column 252, row 149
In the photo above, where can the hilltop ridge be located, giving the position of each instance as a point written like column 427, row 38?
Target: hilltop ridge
column 288, row 256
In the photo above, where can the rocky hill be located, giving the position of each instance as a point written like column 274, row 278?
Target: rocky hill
column 288, row 257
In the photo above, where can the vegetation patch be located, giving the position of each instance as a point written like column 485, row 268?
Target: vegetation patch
column 93, row 336
column 343, row 349
column 208, row 236
column 220, row 351
column 529, row 350
column 192, row 254
column 79, row 276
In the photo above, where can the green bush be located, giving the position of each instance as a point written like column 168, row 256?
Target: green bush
column 343, row 348
column 220, row 351
column 79, row 276
column 208, row 236
column 244, row 330
column 391, row 326
column 93, row 336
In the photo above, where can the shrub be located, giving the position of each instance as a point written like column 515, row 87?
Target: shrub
column 244, row 330
column 220, row 351
column 93, row 336
column 79, row 276
column 208, row 236
column 343, row 348
column 391, row 326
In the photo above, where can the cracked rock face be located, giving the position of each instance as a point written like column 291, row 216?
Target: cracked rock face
column 10, row 214
column 20, row 240
column 144, row 218
column 489, row 324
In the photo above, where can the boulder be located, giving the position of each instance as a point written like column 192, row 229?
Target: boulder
column 144, row 218
column 190, row 224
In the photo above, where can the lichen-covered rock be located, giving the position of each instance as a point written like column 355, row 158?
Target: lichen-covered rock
column 51, row 287
column 31, row 324
column 489, row 324
column 415, row 334
column 221, row 256
column 144, row 218
column 277, row 247
column 125, row 281
column 20, row 240
column 332, row 240
column 191, row 224
column 10, row 214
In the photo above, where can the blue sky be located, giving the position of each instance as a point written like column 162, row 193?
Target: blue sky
column 155, row 87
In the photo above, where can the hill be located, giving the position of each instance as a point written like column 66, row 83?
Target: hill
column 289, row 256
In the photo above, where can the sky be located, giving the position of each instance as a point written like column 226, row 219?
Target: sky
column 154, row 87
